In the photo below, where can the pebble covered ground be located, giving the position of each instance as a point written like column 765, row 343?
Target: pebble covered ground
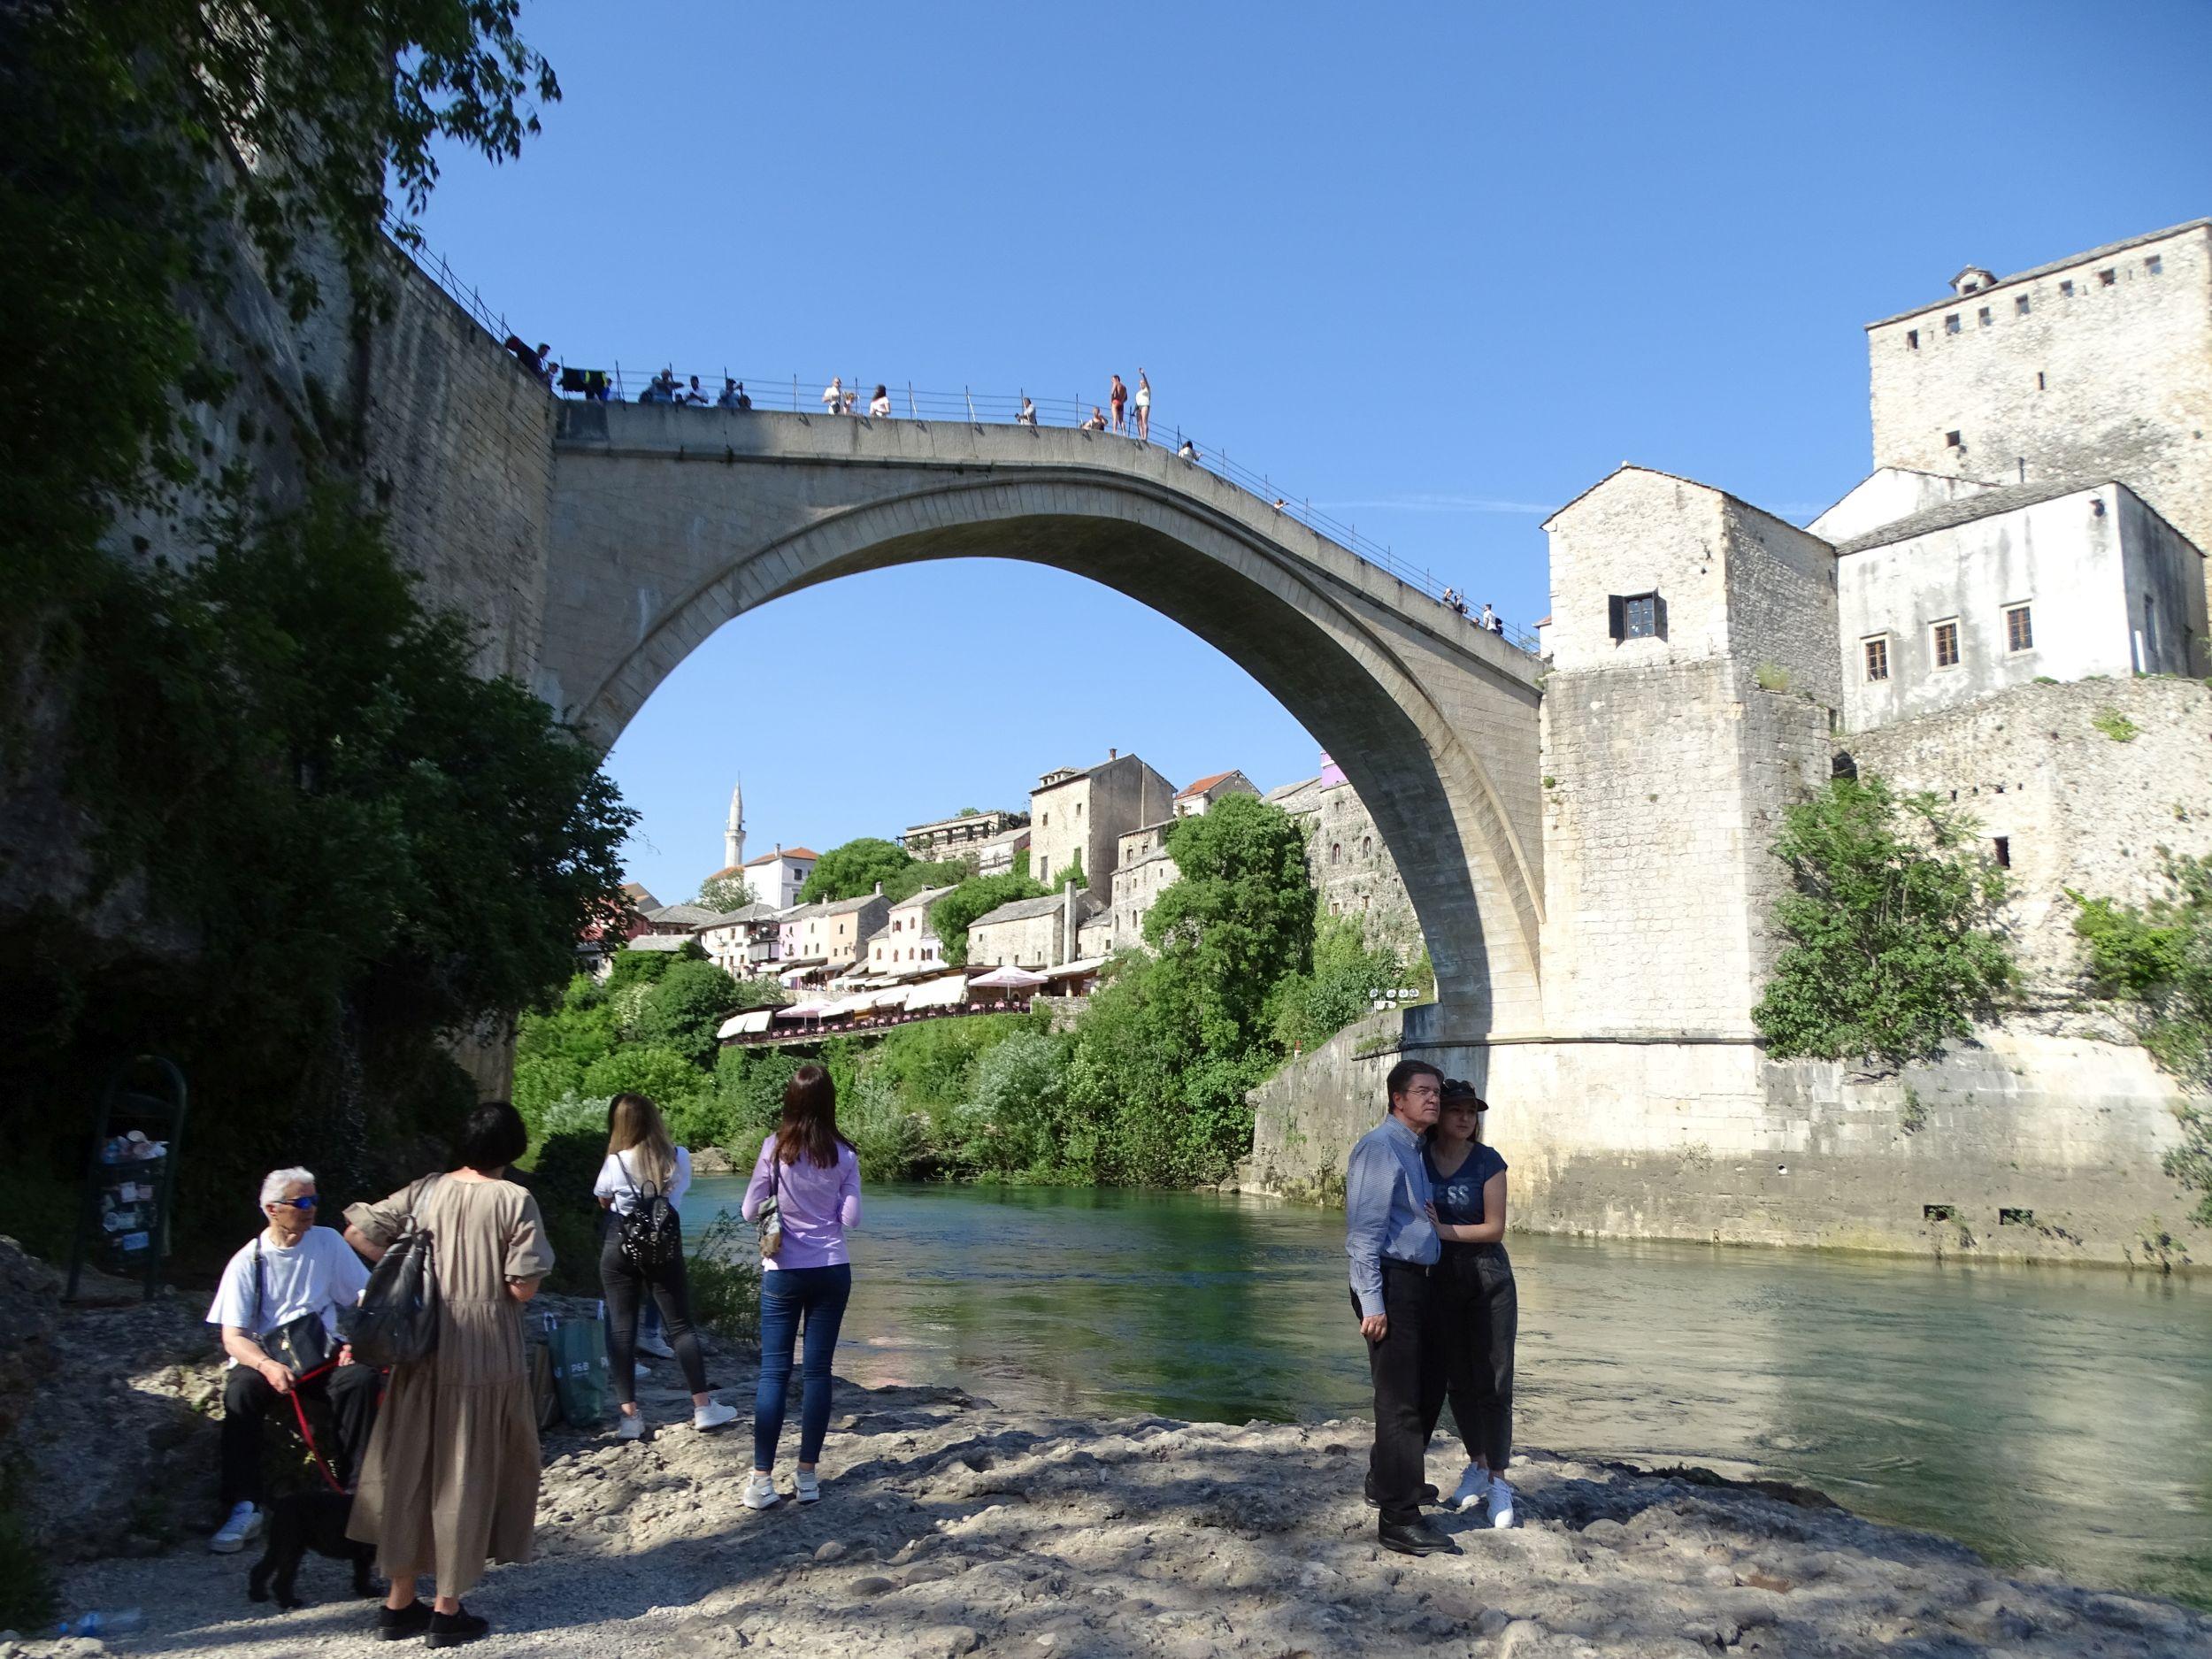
column 949, row 1527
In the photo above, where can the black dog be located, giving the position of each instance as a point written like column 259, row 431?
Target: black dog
column 297, row 1524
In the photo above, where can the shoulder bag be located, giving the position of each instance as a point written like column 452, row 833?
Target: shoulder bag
column 303, row 1344
column 770, row 1220
column 396, row 1323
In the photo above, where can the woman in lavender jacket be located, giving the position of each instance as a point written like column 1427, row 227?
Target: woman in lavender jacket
column 809, row 1170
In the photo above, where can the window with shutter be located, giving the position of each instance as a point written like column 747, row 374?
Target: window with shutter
column 1615, row 617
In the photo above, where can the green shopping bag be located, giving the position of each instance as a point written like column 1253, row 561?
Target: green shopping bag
column 580, row 1370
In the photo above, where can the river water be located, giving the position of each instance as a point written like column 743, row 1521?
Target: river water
column 2048, row 1416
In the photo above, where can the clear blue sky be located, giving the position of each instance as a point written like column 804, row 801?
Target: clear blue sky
column 1437, row 268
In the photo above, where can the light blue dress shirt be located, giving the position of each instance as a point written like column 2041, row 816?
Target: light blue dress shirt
column 1386, row 1209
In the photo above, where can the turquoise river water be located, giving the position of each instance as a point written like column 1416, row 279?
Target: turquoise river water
column 2050, row 1416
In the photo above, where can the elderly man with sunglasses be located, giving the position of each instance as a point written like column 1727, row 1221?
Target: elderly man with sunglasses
column 292, row 1271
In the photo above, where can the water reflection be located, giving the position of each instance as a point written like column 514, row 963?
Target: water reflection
column 2041, row 1415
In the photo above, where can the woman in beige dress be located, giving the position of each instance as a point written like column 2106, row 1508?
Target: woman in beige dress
column 451, row 1474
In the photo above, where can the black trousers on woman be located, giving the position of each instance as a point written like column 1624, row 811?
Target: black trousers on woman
column 1477, row 1313
column 627, row 1288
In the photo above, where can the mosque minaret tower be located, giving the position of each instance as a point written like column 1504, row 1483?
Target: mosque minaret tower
column 733, row 835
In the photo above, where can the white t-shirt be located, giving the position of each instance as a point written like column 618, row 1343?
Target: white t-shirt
column 615, row 1181
column 320, row 1274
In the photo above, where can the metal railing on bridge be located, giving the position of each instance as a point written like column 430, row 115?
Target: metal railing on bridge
column 802, row 395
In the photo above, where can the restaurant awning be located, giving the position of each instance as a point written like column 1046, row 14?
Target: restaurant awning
column 1075, row 970
column 948, row 992
column 1009, row 977
column 753, row 1019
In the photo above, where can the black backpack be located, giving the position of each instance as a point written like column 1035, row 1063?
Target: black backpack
column 396, row 1323
column 652, row 1234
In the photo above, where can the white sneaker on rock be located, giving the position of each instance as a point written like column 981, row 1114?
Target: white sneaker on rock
column 1500, row 1503
column 243, row 1527
column 632, row 1426
column 760, row 1492
column 1473, row 1487
column 805, row 1487
column 656, row 1346
column 713, row 1415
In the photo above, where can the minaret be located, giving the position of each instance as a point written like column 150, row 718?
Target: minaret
column 734, row 836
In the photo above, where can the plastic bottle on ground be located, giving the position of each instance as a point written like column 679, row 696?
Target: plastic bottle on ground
column 122, row 1622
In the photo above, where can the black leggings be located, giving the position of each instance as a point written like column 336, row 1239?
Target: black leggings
column 1478, row 1315
column 624, row 1286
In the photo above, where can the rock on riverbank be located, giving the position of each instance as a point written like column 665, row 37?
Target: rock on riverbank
column 949, row 1527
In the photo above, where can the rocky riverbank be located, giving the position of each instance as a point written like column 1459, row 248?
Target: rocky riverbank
column 949, row 1527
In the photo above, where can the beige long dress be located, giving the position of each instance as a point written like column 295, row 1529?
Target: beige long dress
column 451, row 1474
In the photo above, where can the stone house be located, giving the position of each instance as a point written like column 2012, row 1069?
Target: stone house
column 681, row 918
column 1193, row 801
column 1075, row 818
column 998, row 855
column 905, row 944
column 1142, row 870
column 742, row 942
column 1351, row 869
column 775, row 877
column 959, row 836
column 830, row 936
column 1033, row 933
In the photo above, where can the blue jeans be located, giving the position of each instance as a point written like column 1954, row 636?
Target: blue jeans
column 818, row 1293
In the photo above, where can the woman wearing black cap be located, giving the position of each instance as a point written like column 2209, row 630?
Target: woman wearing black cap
column 1482, row 1308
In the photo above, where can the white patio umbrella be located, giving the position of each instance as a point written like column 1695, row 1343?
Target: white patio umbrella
column 1007, row 979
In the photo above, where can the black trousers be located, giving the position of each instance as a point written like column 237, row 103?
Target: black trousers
column 627, row 1288
column 349, row 1394
column 1478, row 1313
column 1409, row 1368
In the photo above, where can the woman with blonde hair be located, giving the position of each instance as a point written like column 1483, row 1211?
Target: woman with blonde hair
column 644, row 1169
column 807, row 1172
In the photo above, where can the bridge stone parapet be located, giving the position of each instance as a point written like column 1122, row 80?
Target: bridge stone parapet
column 666, row 522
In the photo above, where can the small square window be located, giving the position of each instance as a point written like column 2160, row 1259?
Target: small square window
column 2106, row 277
column 2067, row 289
column 2020, row 307
column 2153, row 264
column 1953, row 440
column 1912, row 340
column 1982, row 316
column 2019, row 629
column 1951, row 324
column 1641, row 617
column 1878, row 658
column 1946, row 636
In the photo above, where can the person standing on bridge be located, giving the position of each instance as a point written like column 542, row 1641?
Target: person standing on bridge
column 696, row 396
column 1028, row 416
column 1488, row 618
column 1144, row 407
column 1394, row 1249
column 1097, row 422
column 733, row 395
column 1119, row 396
column 834, row 395
column 879, row 405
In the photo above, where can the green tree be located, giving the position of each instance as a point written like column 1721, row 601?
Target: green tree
column 1073, row 871
column 1238, row 918
column 686, row 1008
column 950, row 917
column 632, row 968
column 667, row 1077
column 1894, row 949
column 945, row 873
column 851, row 872
column 2155, row 961
column 725, row 894
column 1010, row 1126
column 1309, row 1009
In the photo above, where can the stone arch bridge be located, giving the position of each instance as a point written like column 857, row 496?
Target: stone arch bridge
column 666, row 522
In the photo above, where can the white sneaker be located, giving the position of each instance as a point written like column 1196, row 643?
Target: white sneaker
column 760, row 1493
column 235, row 1534
column 1500, row 1503
column 1473, row 1487
column 805, row 1487
column 713, row 1415
column 656, row 1346
column 632, row 1426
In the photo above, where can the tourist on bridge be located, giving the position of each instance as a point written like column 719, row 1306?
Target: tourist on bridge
column 1144, row 406
column 294, row 1272
column 696, row 397
column 1189, row 452
column 733, row 395
column 452, row 1476
column 1097, row 422
column 1478, row 1305
column 643, row 1164
column 879, row 405
column 1119, row 396
column 1394, row 1247
column 805, row 1193
column 1028, row 416
column 834, row 395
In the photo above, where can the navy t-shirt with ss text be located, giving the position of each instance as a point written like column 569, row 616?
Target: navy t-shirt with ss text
column 1458, row 1196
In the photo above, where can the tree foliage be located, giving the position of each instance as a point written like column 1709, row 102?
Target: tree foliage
column 917, row 876
column 1894, row 949
column 725, row 894
column 1238, row 919
column 1309, row 1009
column 2155, row 961
column 950, row 917
column 684, row 1010
column 851, row 872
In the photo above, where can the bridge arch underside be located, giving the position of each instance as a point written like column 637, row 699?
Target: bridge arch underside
column 649, row 572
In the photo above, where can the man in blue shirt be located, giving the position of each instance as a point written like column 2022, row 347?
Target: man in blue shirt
column 1394, row 1249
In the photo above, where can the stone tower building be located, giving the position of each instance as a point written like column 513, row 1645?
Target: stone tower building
column 733, row 834
column 2097, row 367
